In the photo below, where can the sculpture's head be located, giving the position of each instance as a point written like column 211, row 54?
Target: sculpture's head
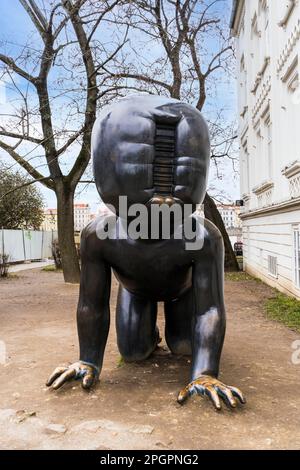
column 151, row 148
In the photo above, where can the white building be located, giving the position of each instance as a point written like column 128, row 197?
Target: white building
column 82, row 216
column 230, row 215
column 268, row 46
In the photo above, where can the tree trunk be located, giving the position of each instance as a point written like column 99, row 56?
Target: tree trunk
column 65, row 225
column 211, row 213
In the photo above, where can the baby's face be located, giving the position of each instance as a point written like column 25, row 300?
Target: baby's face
column 150, row 148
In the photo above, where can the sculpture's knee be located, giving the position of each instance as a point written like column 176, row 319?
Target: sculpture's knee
column 180, row 347
column 135, row 354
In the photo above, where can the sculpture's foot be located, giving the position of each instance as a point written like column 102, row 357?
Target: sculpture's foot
column 88, row 373
column 212, row 388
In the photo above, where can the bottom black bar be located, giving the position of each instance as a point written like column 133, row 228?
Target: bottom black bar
column 134, row 459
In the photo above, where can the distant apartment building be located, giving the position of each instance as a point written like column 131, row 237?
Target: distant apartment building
column 82, row 216
column 50, row 220
column 267, row 36
column 230, row 215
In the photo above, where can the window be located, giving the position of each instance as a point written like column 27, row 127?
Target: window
column 297, row 256
column 254, row 28
column 272, row 266
column 243, row 85
column 259, row 155
column 264, row 12
column 245, row 168
column 268, row 133
column 291, row 77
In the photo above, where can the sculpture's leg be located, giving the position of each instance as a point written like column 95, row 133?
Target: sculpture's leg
column 208, row 328
column 137, row 334
column 178, row 330
column 93, row 317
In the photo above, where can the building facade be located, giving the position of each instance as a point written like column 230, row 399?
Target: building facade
column 267, row 36
column 82, row 216
column 50, row 220
column 230, row 214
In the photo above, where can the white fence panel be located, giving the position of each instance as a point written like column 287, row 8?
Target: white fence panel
column 35, row 244
column 13, row 245
column 26, row 245
column 48, row 237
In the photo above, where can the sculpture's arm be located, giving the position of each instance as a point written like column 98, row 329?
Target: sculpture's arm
column 93, row 317
column 208, row 328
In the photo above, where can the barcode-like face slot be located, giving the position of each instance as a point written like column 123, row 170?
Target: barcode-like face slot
column 163, row 168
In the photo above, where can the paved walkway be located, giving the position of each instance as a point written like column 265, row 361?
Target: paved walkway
column 134, row 405
column 15, row 268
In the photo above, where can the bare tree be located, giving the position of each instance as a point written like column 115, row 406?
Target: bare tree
column 194, row 54
column 54, row 86
column 55, row 81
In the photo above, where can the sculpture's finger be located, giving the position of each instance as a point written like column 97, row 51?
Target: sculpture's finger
column 88, row 380
column 227, row 396
column 67, row 375
column 185, row 393
column 214, row 397
column 236, row 392
column 55, row 374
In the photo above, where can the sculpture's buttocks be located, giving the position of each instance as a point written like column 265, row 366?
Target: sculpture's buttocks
column 162, row 275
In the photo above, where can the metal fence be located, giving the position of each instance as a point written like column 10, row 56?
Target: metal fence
column 26, row 245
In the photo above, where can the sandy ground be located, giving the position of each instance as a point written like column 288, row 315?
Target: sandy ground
column 134, row 406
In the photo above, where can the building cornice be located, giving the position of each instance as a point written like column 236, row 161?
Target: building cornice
column 236, row 15
column 289, row 47
column 262, row 188
column 292, row 169
column 285, row 206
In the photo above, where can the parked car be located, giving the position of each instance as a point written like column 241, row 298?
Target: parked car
column 238, row 248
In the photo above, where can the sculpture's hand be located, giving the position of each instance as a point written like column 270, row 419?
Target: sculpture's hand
column 212, row 388
column 79, row 370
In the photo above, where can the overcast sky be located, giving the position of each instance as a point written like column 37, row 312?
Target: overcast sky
column 15, row 25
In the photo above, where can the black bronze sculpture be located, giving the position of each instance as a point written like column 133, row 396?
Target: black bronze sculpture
column 155, row 151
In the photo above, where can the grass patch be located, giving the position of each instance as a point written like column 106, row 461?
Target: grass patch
column 284, row 309
column 239, row 277
column 120, row 362
column 51, row 269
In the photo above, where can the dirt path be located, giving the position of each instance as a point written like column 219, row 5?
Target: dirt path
column 134, row 406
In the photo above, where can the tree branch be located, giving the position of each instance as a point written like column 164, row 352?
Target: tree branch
column 10, row 63
column 91, row 98
column 24, row 164
column 20, row 136
column 35, row 18
column 70, row 141
column 143, row 78
column 109, row 8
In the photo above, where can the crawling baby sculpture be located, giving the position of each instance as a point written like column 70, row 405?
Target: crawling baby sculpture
column 155, row 151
